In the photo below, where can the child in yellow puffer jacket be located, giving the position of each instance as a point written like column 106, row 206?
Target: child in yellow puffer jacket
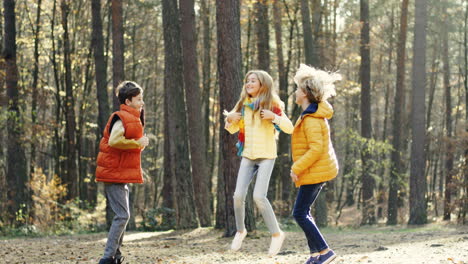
column 257, row 116
column 313, row 155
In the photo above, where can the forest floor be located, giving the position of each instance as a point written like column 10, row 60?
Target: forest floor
column 433, row 243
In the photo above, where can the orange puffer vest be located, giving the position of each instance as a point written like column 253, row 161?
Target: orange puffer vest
column 121, row 165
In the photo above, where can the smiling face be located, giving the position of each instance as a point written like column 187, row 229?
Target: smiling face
column 252, row 85
column 136, row 102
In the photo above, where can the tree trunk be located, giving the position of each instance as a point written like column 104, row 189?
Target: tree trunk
column 449, row 187
column 186, row 216
column 100, row 67
column 368, row 208
column 230, row 82
column 307, row 33
column 34, row 87
column 16, row 177
column 282, row 162
column 118, row 69
column 397, row 168
column 101, row 84
column 465, row 42
column 263, row 35
column 192, row 94
column 417, row 199
column 71, row 165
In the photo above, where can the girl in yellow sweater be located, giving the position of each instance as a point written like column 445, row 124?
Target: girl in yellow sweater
column 258, row 116
column 313, row 155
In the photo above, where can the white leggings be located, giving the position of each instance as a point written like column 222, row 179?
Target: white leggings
column 247, row 170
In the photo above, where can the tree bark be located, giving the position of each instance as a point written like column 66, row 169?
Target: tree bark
column 34, row 87
column 230, row 82
column 16, row 177
column 417, row 199
column 118, row 69
column 177, row 120
column 100, row 66
column 449, row 187
column 192, row 94
column 71, row 164
column 263, row 35
column 397, row 163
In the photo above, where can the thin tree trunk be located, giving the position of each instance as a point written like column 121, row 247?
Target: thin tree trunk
column 397, row 168
column 263, row 35
column 186, row 216
column 16, row 177
column 449, row 188
column 71, row 165
column 368, row 208
column 230, row 82
column 118, row 69
column 307, row 34
column 283, row 145
column 417, row 199
column 34, row 87
column 101, row 84
column 192, row 95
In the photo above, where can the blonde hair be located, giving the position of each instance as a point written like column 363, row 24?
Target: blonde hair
column 318, row 85
column 267, row 96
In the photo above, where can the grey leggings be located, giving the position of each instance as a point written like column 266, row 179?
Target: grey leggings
column 247, row 170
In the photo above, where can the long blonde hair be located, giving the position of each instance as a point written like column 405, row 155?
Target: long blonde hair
column 267, row 96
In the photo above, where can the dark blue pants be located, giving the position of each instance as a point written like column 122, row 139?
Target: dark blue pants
column 305, row 198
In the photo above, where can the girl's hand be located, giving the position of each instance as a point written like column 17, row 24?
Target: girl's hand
column 233, row 117
column 267, row 114
column 294, row 177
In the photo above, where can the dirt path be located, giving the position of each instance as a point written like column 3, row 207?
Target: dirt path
column 430, row 244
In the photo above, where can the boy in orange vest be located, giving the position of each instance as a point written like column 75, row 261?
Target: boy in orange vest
column 119, row 162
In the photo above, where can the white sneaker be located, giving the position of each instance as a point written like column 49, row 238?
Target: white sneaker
column 276, row 243
column 237, row 241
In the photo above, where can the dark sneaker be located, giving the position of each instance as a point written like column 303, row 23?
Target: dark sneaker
column 327, row 257
column 119, row 260
column 313, row 260
column 107, row 261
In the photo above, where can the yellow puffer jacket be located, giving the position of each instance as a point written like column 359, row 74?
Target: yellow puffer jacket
column 260, row 140
column 313, row 154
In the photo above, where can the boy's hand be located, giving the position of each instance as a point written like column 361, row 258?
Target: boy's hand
column 267, row 114
column 233, row 117
column 144, row 141
column 294, row 177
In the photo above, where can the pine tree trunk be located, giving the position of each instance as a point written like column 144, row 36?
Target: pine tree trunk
column 186, row 216
column 118, row 69
column 397, row 168
column 368, row 208
column 263, row 35
column 16, row 177
column 34, row 87
column 230, row 82
column 449, row 188
column 192, row 95
column 72, row 171
column 417, row 199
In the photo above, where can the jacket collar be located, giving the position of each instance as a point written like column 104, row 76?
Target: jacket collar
column 131, row 110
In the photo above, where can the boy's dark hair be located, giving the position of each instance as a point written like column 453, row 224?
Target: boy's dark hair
column 128, row 90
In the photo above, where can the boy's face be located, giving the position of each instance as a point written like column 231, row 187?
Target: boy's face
column 136, row 102
column 300, row 96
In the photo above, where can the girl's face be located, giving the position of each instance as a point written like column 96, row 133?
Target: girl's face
column 252, row 85
column 300, row 96
column 136, row 102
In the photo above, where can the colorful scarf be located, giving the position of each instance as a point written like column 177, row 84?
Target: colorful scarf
column 255, row 105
